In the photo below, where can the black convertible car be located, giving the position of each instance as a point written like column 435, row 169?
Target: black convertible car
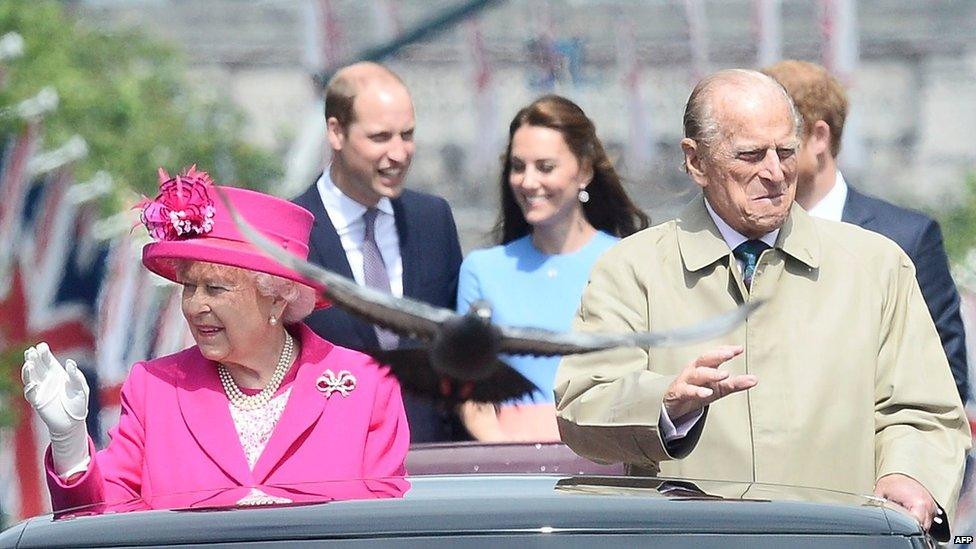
column 507, row 502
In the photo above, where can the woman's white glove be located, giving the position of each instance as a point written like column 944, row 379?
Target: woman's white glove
column 60, row 396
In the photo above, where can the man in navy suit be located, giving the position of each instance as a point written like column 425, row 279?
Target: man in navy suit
column 370, row 127
column 823, row 192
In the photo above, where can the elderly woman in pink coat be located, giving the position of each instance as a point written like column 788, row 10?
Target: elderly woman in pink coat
column 259, row 400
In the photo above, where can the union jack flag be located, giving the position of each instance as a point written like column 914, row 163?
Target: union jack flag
column 14, row 183
column 53, row 280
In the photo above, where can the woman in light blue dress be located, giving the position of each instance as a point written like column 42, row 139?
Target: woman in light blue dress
column 562, row 205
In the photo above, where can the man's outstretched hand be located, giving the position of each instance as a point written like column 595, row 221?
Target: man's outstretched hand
column 701, row 382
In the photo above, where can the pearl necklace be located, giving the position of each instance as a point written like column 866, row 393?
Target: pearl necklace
column 244, row 401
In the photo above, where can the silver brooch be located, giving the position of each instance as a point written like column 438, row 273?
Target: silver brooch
column 342, row 383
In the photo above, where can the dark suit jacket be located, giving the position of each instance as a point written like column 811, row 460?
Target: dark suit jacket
column 919, row 235
column 431, row 256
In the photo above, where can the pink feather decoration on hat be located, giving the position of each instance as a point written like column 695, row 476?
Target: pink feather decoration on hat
column 183, row 208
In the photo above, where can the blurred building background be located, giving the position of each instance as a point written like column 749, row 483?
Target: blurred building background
column 910, row 67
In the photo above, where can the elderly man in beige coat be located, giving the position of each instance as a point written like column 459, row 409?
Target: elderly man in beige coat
column 838, row 381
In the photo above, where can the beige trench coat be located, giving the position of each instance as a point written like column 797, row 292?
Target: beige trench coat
column 853, row 382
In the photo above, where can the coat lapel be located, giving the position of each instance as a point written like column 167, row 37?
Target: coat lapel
column 408, row 257
column 855, row 210
column 325, row 248
column 305, row 404
column 204, row 407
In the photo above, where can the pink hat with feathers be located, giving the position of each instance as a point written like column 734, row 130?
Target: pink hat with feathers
column 188, row 221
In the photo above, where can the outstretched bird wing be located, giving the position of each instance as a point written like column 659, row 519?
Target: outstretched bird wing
column 531, row 341
column 414, row 319
column 405, row 316
column 411, row 366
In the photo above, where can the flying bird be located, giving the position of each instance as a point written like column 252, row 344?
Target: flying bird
column 454, row 357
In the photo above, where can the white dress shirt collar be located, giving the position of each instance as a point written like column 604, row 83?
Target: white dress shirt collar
column 731, row 236
column 831, row 206
column 342, row 209
column 347, row 217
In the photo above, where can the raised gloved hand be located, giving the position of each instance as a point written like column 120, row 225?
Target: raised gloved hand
column 60, row 396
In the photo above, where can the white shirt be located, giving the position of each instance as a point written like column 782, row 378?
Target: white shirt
column 254, row 427
column 831, row 206
column 732, row 238
column 347, row 218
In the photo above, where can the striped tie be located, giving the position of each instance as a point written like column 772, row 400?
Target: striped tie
column 374, row 273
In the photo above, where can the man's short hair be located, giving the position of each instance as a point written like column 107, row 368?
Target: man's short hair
column 817, row 95
column 340, row 92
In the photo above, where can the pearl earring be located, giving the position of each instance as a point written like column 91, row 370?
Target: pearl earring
column 273, row 320
column 584, row 196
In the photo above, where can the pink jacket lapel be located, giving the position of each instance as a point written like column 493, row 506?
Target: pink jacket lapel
column 305, row 405
column 204, row 407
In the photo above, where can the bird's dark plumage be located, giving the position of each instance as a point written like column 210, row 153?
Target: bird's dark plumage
column 412, row 367
column 455, row 357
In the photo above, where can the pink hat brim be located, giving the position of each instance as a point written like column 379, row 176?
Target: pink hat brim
column 155, row 256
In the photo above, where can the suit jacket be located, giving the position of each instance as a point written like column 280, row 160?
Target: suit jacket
column 176, row 434
column 853, row 383
column 919, row 235
column 431, row 256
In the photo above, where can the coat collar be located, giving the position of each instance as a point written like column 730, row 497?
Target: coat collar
column 701, row 244
column 206, row 411
column 798, row 238
column 699, row 240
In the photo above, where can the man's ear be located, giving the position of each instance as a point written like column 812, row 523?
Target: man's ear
column 693, row 161
column 819, row 138
column 335, row 132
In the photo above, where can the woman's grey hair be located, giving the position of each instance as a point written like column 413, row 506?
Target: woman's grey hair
column 299, row 298
column 699, row 120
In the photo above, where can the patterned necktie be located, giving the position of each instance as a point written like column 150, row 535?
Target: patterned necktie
column 748, row 252
column 375, row 275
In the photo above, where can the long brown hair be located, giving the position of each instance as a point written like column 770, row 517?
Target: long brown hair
column 609, row 208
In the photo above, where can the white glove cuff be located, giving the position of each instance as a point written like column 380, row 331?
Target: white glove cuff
column 80, row 468
column 69, row 451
